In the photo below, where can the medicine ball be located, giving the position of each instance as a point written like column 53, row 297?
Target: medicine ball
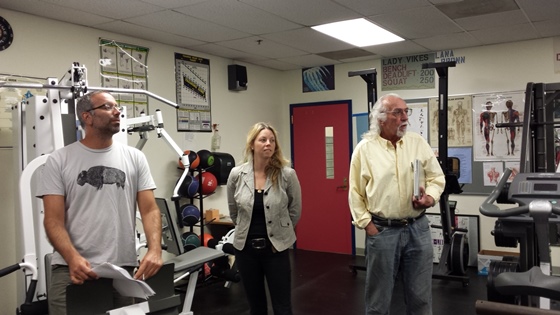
column 190, row 241
column 193, row 160
column 190, row 215
column 189, row 187
column 205, row 238
column 208, row 182
column 206, row 158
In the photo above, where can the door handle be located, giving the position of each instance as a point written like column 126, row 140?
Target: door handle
column 344, row 185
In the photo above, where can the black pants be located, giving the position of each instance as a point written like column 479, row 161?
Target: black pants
column 257, row 264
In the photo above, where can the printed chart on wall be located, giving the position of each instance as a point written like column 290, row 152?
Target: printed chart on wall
column 11, row 97
column 124, row 66
column 418, row 119
column 459, row 126
column 497, row 144
column 192, row 79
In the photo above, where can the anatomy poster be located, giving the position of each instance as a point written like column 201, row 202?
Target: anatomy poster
column 459, row 121
column 192, row 79
column 492, row 143
column 491, row 172
column 317, row 79
column 124, row 66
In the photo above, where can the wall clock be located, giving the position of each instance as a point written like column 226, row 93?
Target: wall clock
column 6, row 34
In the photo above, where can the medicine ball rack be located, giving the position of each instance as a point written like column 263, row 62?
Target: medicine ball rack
column 176, row 198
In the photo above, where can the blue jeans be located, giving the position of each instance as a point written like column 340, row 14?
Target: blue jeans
column 408, row 249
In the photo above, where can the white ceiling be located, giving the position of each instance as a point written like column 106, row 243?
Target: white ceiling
column 277, row 33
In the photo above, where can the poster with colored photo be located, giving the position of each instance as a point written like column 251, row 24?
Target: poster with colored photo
column 491, row 143
column 317, row 79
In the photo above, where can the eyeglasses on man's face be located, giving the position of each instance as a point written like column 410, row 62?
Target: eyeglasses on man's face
column 400, row 111
column 108, row 107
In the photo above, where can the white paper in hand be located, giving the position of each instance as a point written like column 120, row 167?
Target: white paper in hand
column 123, row 282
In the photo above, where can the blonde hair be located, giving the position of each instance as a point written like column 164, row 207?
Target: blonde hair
column 276, row 162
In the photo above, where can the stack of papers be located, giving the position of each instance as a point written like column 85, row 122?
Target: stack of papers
column 123, row 282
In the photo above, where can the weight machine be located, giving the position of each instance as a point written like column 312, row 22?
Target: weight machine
column 47, row 123
column 455, row 254
column 536, row 189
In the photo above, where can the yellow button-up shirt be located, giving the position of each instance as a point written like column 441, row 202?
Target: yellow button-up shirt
column 382, row 177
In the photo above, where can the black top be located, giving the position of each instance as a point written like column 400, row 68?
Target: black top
column 258, row 221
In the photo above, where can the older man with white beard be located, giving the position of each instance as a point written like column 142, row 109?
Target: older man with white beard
column 382, row 202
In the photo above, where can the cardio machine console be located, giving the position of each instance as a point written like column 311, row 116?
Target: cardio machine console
column 527, row 187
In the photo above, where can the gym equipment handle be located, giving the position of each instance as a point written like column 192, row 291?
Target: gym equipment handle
column 488, row 208
column 9, row 269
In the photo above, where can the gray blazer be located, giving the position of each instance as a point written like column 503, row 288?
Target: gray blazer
column 282, row 205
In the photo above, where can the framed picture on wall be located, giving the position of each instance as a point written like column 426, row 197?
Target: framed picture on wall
column 317, row 79
column 192, row 79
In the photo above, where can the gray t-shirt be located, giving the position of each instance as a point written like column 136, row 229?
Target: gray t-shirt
column 100, row 188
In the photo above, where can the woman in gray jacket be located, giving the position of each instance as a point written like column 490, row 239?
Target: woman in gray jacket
column 264, row 199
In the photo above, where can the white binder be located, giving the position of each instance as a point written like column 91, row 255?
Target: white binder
column 419, row 178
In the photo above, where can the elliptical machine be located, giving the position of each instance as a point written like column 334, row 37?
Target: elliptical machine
column 526, row 282
column 536, row 190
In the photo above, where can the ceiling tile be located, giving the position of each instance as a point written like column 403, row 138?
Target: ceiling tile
column 239, row 16
column 55, row 12
column 492, row 20
column 308, row 12
column 450, row 41
column 309, row 40
column 418, row 23
column 347, row 54
column 126, row 28
column 219, row 50
column 262, row 47
column 232, row 28
column 505, row 34
column 109, row 8
column 309, row 60
column 539, row 10
column 172, row 4
column 463, row 9
column 548, row 28
column 396, row 49
column 368, row 7
column 180, row 24
column 372, row 57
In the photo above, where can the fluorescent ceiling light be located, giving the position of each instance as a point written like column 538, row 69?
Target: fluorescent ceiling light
column 358, row 32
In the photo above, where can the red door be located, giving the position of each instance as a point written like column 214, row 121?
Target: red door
column 321, row 150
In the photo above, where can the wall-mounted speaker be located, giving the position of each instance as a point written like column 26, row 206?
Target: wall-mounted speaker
column 237, row 78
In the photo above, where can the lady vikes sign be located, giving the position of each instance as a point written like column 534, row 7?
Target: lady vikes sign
column 406, row 73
